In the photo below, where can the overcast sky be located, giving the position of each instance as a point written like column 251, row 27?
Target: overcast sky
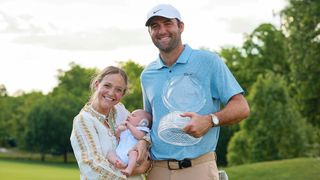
column 38, row 37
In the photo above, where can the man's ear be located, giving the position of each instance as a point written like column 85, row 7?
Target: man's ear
column 181, row 26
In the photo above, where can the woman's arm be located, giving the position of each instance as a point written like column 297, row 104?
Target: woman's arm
column 88, row 151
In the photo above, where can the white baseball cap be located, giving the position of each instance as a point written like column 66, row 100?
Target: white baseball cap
column 163, row 10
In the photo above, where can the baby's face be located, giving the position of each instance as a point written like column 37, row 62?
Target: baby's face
column 135, row 117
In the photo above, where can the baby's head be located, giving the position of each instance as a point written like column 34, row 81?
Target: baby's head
column 140, row 117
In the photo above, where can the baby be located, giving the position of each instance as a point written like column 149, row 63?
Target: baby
column 133, row 129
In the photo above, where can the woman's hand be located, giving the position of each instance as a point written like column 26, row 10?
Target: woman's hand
column 142, row 148
column 143, row 168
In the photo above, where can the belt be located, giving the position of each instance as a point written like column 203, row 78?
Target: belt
column 173, row 164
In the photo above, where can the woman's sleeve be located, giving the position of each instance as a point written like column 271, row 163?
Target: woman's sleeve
column 86, row 147
column 121, row 113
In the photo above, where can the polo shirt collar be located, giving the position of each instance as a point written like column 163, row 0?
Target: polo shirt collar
column 183, row 58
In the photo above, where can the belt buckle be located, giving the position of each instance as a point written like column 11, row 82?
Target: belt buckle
column 185, row 163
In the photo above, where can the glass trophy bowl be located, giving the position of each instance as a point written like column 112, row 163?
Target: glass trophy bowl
column 183, row 93
column 170, row 130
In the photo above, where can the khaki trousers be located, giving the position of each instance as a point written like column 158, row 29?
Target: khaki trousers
column 203, row 167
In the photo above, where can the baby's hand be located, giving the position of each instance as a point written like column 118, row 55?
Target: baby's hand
column 122, row 127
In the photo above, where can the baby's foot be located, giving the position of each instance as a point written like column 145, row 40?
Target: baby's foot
column 118, row 164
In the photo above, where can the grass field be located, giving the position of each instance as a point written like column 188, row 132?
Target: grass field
column 26, row 170
column 293, row 169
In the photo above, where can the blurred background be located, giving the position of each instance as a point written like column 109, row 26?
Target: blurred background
column 50, row 50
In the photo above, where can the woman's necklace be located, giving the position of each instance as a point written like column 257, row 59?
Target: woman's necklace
column 110, row 121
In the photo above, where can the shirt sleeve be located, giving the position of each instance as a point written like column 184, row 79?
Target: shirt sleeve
column 224, row 83
column 121, row 113
column 146, row 102
column 86, row 146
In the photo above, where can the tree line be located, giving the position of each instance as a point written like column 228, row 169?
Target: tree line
column 277, row 67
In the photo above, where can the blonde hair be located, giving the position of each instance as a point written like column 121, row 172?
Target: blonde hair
column 107, row 71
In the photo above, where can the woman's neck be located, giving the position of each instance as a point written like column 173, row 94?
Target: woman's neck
column 101, row 110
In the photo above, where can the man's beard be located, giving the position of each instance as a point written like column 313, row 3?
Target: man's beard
column 168, row 48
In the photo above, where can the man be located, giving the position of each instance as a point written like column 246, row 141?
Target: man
column 193, row 83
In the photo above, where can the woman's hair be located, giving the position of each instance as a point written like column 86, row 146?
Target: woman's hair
column 106, row 71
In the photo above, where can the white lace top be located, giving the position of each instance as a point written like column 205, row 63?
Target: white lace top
column 91, row 140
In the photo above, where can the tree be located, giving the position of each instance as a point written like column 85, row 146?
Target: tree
column 41, row 131
column 301, row 23
column 3, row 90
column 264, row 50
column 133, row 99
column 274, row 130
column 13, row 117
column 50, row 121
column 76, row 81
column 5, row 123
column 23, row 105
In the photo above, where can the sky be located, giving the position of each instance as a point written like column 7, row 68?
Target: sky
column 38, row 37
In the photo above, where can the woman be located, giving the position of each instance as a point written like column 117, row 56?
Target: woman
column 93, row 133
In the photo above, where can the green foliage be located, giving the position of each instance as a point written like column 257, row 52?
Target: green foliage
column 226, row 132
column 75, row 81
column 301, row 20
column 5, row 123
column 3, row 90
column 13, row 117
column 50, row 121
column 238, row 149
column 264, row 50
column 133, row 99
column 41, row 134
column 24, row 103
column 274, row 130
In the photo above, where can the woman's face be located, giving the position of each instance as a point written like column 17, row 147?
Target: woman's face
column 109, row 92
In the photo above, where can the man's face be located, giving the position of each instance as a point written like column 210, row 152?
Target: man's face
column 165, row 33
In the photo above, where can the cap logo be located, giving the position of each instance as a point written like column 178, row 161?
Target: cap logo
column 156, row 11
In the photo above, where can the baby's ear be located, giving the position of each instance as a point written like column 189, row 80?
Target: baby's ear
column 144, row 123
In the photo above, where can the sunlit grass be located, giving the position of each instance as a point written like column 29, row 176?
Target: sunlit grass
column 16, row 170
column 19, row 165
column 291, row 169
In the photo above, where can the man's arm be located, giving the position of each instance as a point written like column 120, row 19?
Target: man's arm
column 236, row 110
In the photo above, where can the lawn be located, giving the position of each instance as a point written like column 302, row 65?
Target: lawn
column 293, row 169
column 24, row 170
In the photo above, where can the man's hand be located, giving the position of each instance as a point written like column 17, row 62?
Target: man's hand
column 198, row 126
column 141, row 148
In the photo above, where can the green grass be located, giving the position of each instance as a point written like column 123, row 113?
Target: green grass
column 14, row 154
column 293, row 169
column 24, row 170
